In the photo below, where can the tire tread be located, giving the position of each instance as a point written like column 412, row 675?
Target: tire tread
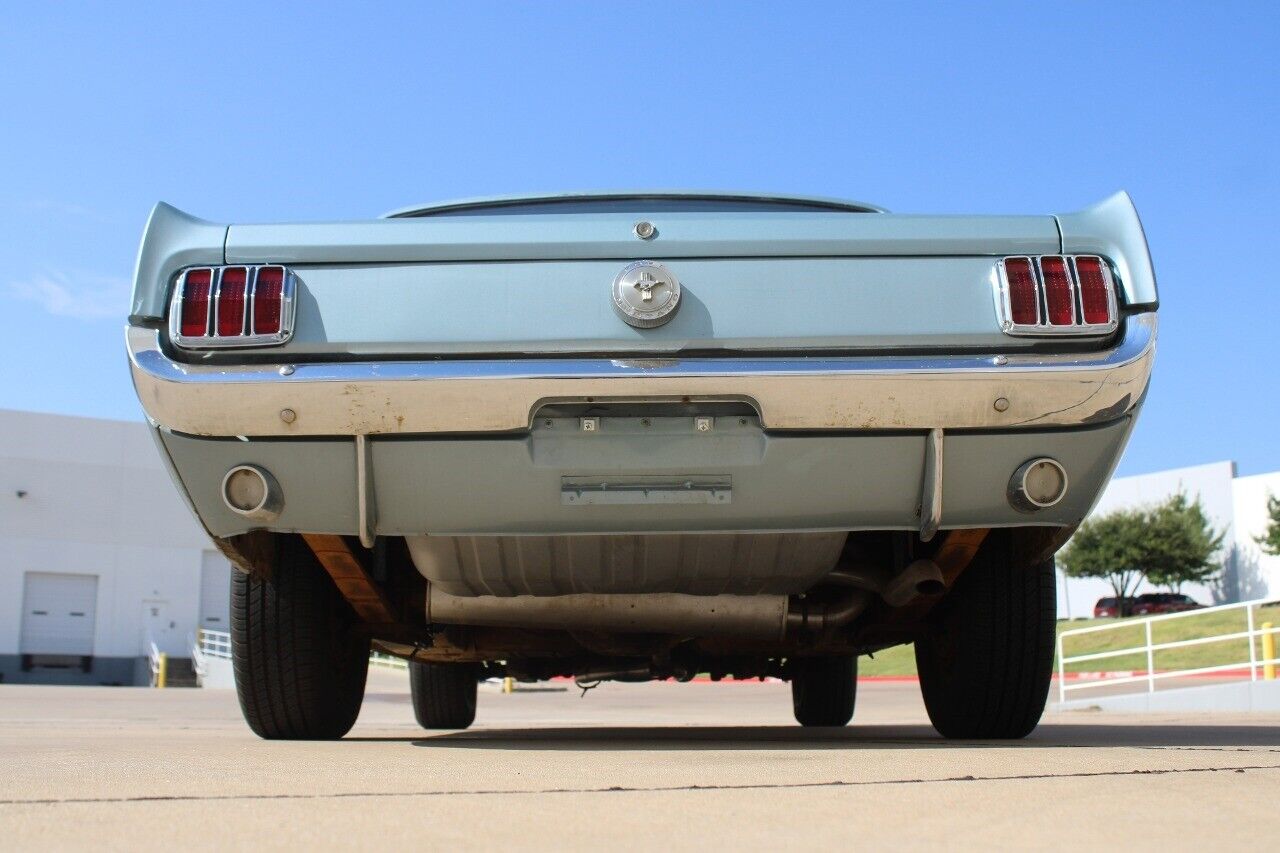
column 444, row 694
column 824, row 690
column 986, row 663
column 300, row 666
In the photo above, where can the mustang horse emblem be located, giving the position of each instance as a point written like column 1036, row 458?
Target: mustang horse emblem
column 646, row 294
column 646, row 285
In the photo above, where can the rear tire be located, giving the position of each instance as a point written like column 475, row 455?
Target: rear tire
column 986, row 659
column 444, row 694
column 300, row 663
column 823, row 690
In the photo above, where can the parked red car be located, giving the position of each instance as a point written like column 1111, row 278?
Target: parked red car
column 1106, row 608
column 1163, row 602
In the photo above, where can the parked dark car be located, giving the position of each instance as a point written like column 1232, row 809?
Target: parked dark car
column 1163, row 602
column 1106, row 608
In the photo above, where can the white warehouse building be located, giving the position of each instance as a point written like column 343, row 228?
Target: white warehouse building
column 100, row 558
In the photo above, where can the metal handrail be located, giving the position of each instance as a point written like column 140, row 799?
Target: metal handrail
column 1149, row 648
column 217, row 644
column 214, row 644
column 388, row 661
column 199, row 662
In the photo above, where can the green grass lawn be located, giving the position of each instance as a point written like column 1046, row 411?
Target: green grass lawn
column 901, row 660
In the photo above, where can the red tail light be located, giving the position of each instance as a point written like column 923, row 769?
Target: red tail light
column 1095, row 290
column 238, row 306
column 1059, row 300
column 195, row 303
column 268, row 298
column 1023, row 303
column 1057, row 295
column 231, row 301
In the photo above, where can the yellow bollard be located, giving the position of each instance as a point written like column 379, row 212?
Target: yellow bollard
column 162, row 669
column 1268, row 652
column 508, row 685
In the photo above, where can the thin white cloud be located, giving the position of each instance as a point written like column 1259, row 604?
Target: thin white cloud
column 62, row 208
column 81, row 296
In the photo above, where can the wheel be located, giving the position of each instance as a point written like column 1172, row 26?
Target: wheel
column 823, row 690
column 987, row 656
column 299, row 662
column 444, row 694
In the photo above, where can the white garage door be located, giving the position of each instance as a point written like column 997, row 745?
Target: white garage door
column 57, row 614
column 215, row 592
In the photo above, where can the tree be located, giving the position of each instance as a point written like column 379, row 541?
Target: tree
column 1108, row 547
column 1270, row 541
column 1170, row 544
column 1181, row 544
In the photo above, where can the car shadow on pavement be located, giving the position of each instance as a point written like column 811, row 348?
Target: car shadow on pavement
column 651, row 738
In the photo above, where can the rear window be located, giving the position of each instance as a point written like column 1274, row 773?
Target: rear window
column 1106, row 602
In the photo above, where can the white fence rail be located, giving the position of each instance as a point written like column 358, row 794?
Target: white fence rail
column 214, row 644
column 1252, row 634
column 217, row 644
column 387, row 661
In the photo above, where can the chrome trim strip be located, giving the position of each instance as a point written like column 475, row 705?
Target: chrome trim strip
column 931, row 490
column 877, row 392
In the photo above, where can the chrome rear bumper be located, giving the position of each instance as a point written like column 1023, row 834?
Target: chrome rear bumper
column 876, row 393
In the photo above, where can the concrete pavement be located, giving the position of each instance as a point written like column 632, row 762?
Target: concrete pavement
column 677, row 767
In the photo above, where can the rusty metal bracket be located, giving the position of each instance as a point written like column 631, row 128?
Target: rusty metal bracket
column 957, row 551
column 352, row 580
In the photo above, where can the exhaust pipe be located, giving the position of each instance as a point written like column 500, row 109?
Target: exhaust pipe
column 767, row 617
column 922, row 577
column 758, row 616
column 764, row 617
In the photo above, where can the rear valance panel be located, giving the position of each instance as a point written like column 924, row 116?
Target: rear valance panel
column 561, row 307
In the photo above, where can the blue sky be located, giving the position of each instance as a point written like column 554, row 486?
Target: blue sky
column 314, row 111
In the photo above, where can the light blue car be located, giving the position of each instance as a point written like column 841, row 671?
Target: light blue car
column 643, row 435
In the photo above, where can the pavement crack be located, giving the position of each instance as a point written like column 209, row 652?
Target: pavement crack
column 633, row 789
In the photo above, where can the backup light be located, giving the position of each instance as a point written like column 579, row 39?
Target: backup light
column 236, row 306
column 1056, row 295
column 1037, row 484
column 252, row 491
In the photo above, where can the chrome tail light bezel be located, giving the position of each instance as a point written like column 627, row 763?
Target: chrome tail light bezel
column 250, row 337
column 1042, row 327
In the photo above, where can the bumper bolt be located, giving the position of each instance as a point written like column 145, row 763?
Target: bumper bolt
column 288, row 415
column 1002, row 404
